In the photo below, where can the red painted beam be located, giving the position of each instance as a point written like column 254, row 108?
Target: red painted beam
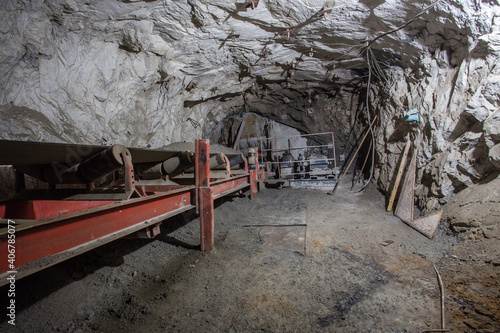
column 226, row 186
column 72, row 231
column 159, row 188
column 42, row 209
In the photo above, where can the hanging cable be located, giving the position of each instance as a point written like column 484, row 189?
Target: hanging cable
column 404, row 25
column 370, row 58
column 369, row 119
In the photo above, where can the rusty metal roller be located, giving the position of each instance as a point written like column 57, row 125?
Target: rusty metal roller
column 101, row 164
column 176, row 165
column 251, row 156
column 172, row 166
column 57, row 173
column 234, row 162
column 150, row 170
column 217, row 160
column 89, row 170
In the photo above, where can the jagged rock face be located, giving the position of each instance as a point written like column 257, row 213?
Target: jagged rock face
column 153, row 72
column 462, row 210
column 458, row 104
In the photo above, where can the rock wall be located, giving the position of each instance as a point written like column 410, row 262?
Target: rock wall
column 148, row 73
column 111, row 71
column 463, row 214
column 456, row 92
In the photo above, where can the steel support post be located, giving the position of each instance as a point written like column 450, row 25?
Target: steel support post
column 334, row 158
column 201, row 168
column 129, row 172
column 253, row 184
column 260, row 174
column 205, row 200
column 206, row 219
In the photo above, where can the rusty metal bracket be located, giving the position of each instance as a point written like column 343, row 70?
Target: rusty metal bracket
column 153, row 231
column 228, row 166
column 128, row 174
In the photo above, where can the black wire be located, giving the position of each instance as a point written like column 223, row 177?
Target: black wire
column 369, row 118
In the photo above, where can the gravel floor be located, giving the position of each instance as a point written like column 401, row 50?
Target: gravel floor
column 293, row 260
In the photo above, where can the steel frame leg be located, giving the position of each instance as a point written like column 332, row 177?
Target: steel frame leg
column 253, row 184
column 207, row 219
column 205, row 200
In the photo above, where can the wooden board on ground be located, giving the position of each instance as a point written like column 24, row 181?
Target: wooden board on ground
column 404, row 209
column 427, row 225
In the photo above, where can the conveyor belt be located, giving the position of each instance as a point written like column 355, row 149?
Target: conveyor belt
column 37, row 153
column 55, row 224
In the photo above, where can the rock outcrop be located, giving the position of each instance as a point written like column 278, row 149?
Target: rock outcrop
column 458, row 104
column 463, row 213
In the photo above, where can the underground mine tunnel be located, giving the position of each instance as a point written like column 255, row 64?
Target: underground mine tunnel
column 250, row 166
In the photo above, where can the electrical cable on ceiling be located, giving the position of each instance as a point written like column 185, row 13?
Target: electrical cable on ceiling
column 404, row 25
column 371, row 59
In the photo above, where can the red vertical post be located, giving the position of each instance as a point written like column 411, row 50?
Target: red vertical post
column 207, row 219
column 253, row 184
column 202, row 168
column 204, row 194
column 202, row 164
column 257, row 160
column 259, row 176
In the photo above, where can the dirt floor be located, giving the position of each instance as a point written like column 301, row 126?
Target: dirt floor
column 293, row 260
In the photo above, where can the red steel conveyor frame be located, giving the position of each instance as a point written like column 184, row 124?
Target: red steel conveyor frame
column 44, row 237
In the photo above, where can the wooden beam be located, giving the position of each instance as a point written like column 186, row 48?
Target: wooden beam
column 426, row 225
column 404, row 209
column 399, row 175
column 237, row 140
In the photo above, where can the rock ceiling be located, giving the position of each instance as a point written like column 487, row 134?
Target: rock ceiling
column 133, row 72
